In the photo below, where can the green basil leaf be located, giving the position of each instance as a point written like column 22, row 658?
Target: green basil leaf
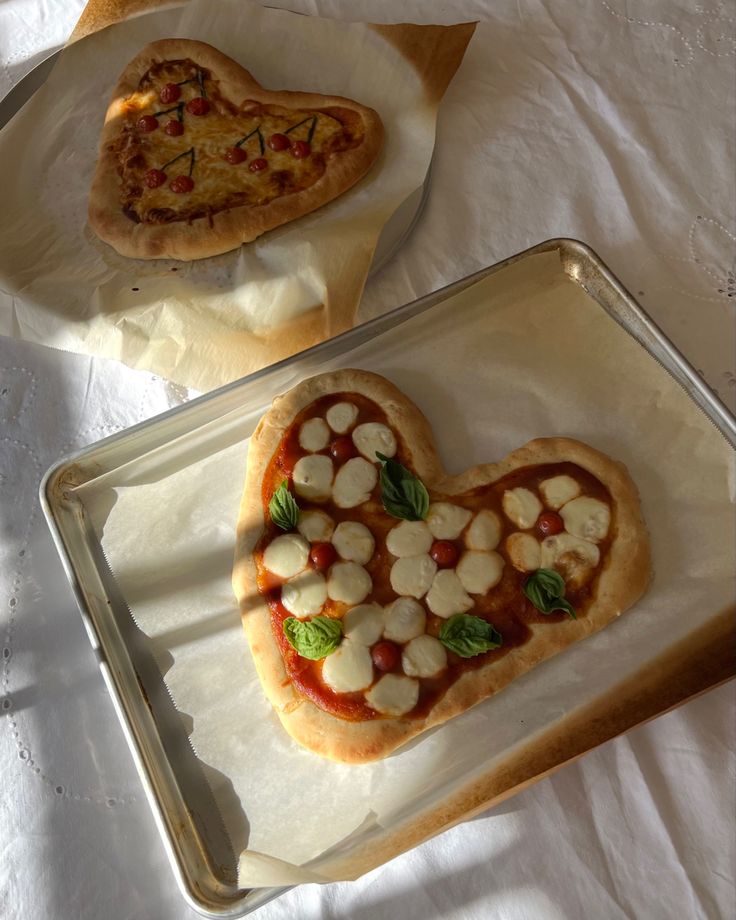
column 283, row 508
column 316, row 638
column 403, row 494
column 468, row 636
column 545, row 588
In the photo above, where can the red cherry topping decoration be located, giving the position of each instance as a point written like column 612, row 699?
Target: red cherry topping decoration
column 146, row 124
column 444, row 553
column 198, row 106
column 154, row 178
column 169, row 93
column 258, row 164
column 549, row 523
column 181, row 184
column 174, row 128
column 342, row 449
column 300, row 149
column 279, row 142
column 235, row 155
column 386, row 655
column 322, row 555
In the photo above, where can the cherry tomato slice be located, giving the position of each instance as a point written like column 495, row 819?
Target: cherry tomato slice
column 386, row 655
column 300, row 149
column 198, row 106
column 258, row 164
column 146, row 124
column 174, row 128
column 235, row 155
column 444, row 553
column 181, row 184
column 322, row 555
column 154, row 178
column 169, row 93
column 549, row 523
column 342, row 449
column 279, row 142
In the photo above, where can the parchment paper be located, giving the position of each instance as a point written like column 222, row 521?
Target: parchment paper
column 524, row 353
column 207, row 322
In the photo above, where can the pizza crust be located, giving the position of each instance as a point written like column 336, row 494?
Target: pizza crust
column 225, row 230
column 621, row 582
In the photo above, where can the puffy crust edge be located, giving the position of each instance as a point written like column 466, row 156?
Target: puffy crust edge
column 621, row 583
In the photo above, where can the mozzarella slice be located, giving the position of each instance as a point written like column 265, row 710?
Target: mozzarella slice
column 484, row 532
column 478, row 572
column 313, row 477
column 393, row 695
column 286, row 555
column 524, row 552
column 364, row 624
column 558, row 490
column 305, row 594
column 348, row 668
column 315, row 526
column 587, row 518
column 447, row 596
column 348, row 582
column 372, row 437
column 572, row 557
column 404, row 619
column 409, row 538
column 447, row 521
column 522, row 506
column 354, row 483
column 424, row 656
column 341, row 417
column 314, row 435
column 412, row 575
column 353, row 542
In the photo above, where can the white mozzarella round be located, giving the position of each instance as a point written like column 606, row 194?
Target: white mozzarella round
column 313, row 477
column 286, row 555
column 353, row 542
column 479, row 571
column 305, row 594
column 354, row 483
column 348, row 668
column 409, row 538
column 484, row 532
column 315, row 526
column 314, row 435
column 447, row 596
column 572, row 557
column 424, row 656
column 587, row 518
column 341, row 417
column 393, row 695
column 522, row 506
column 404, row 619
column 447, row 521
column 348, row 582
column 412, row 575
column 558, row 490
column 374, row 437
column 364, row 624
column 524, row 552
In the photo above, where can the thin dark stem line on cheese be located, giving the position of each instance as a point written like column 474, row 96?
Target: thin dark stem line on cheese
column 196, row 157
column 431, row 606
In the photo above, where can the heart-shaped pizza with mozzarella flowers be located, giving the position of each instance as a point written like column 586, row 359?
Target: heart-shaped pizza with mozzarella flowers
column 381, row 597
column 196, row 157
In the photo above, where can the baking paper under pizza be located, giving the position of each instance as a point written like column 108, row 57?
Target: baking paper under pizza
column 381, row 597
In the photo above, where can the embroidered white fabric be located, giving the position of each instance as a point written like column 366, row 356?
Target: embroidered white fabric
column 608, row 120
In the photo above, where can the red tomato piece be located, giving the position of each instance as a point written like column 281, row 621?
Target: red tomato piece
column 174, row 128
column 300, row 149
column 198, row 106
column 342, row 449
column 279, row 142
column 444, row 553
column 154, row 178
column 386, row 655
column 258, row 164
column 549, row 523
column 169, row 93
column 146, row 124
column 322, row 555
column 235, row 155
column 181, row 184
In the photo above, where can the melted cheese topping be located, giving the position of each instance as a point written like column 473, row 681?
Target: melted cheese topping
column 524, row 551
column 354, row 483
column 286, row 555
column 315, row 526
column 522, row 506
column 484, row 532
column 305, row 594
column 424, row 656
column 364, row 624
column 393, row 695
column 348, row 582
column 341, row 417
column 587, row 518
column 447, row 596
column 558, row 490
column 313, row 477
column 353, row 542
column 404, row 619
column 447, row 521
column 372, row 438
column 409, row 538
column 314, row 435
column 572, row 557
column 479, row 571
column 349, row 668
column 412, row 575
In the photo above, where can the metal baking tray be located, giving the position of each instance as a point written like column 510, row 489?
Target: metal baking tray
column 196, row 843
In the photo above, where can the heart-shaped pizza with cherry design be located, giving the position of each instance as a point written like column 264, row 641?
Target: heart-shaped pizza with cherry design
column 196, row 157
column 381, row 597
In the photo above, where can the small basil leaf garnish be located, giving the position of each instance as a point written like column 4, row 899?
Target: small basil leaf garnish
column 283, row 508
column 467, row 636
column 315, row 638
column 403, row 494
column 545, row 588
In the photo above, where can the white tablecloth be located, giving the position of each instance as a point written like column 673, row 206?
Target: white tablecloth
column 607, row 120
